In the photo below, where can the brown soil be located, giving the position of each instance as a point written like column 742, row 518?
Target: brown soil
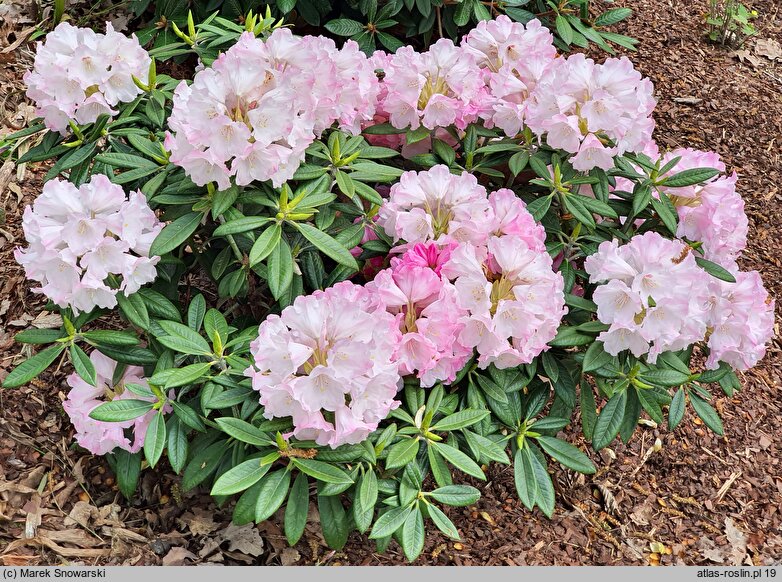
column 702, row 499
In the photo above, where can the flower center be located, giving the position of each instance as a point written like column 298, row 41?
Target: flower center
column 501, row 290
column 436, row 86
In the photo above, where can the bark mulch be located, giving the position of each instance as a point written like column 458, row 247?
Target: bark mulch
column 702, row 499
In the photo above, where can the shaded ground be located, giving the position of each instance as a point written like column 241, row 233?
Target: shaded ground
column 701, row 500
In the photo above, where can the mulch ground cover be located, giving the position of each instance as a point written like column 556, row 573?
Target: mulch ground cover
column 701, row 499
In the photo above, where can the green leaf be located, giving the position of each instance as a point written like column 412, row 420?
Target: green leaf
column 456, row 495
column 241, row 477
column 539, row 207
column 159, row 305
column 240, row 225
column 595, row 357
column 272, row 494
column 333, row 521
column 183, row 339
column 588, row 410
column 413, row 534
column 344, row 27
column 127, row 468
column 442, row 522
column 104, row 337
column 175, row 234
column 134, row 309
column 177, row 445
column 195, row 313
column 610, row 17
column 389, row 522
column 459, row 460
column 609, row 421
column 664, row 377
column 707, row 414
column 39, row 336
column 524, row 477
column 402, row 453
column 715, row 270
column 265, row 244
column 460, row 419
column 296, row 509
column 367, row 490
column 121, row 410
column 667, row 212
column 280, row 269
column 574, row 205
column 31, row 367
column 244, row 511
column 155, row 440
column 566, row 454
column 564, row 30
column 175, row 377
column 689, row 177
column 491, row 389
column 567, row 336
column 188, row 416
column 322, row 471
column 83, row 365
column 244, row 431
column 545, row 488
column 119, row 160
column 650, row 405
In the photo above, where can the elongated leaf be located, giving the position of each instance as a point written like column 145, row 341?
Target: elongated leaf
column 83, row 365
column 333, row 521
column 459, row 460
column 265, row 244
column 121, row 410
column 174, row 234
column 665, row 377
column 177, row 444
column 609, row 421
column 461, row 419
column 241, row 477
column 525, row 478
column 413, row 535
column 31, row 367
column 327, row 245
column 240, row 225
column 127, row 468
column 456, row 495
column 567, row 455
column 344, row 27
column 715, row 270
column 155, row 439
column 244, row 431
column 296, row 509
column 110, row 338
column 182, row 339
column 273, row 492
column 545, row 488
column 707, row 414
column 195, row 314
column 690, row 177
column 610, row 17
column 442, row 522
column 322, row 471
column 39, row 336
column 402, row 453
column 389, row 522
column 588, row 410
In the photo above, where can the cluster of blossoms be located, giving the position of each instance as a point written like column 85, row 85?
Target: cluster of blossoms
column 596, row 111
column 79, row 237
column 253, row 113
column 508, row 299
column 656, row 299
column 712, row 214
column 427, row 312
column 80, row 74
column 513, row 59
column 103, row 437
column 327, row 361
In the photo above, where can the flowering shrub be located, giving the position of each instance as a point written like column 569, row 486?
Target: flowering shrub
column 384, row 320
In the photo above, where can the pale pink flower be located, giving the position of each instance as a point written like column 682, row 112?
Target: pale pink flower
column 328, row 354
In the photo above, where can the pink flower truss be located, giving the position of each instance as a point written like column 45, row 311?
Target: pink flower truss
column 436, row 205
column 712, row 214
column 79, row 74
column 515, row 58
column 513, row 298
column 654, row 297
column 425, row 307
column 437, row 88
column 740, row 321
column 579, row 106
column 327, row 362
column 255, row 111
column 103, row 437
column 78, row 237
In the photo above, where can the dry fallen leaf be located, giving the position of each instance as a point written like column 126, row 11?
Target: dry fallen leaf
column 243, row 538
column 738, row 542
column 198, row 521
column 177, row 556
column 769, row 48
column 745, row 55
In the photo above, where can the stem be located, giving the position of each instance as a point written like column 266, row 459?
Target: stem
column 229, row 237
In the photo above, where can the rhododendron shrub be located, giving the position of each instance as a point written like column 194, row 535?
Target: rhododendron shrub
column 381, row 274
